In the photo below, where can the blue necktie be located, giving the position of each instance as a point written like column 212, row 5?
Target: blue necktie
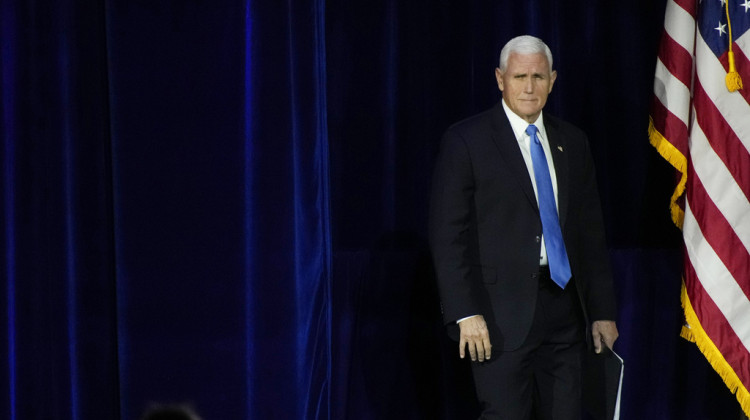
column 559, row 266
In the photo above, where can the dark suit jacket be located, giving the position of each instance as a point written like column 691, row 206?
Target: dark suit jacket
column 485, row 229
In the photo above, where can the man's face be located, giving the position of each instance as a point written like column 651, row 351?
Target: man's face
column 526, row 83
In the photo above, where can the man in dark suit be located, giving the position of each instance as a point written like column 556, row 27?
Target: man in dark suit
column 518, row 243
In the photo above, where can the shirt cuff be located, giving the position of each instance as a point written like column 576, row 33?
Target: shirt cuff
column 465, row 318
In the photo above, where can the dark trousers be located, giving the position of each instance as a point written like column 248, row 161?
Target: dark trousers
column 541, row 379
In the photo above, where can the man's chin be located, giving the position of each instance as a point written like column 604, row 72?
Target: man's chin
column 530, row 116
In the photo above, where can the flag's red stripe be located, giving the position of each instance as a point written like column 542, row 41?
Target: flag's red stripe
column 671, row 127
column 690, row 6
column 717, row 231
column 742, row 65
column 676, row 59
column 723, row 140
column 716, row 326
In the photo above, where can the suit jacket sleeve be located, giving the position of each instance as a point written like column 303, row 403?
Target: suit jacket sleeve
column 452, row 229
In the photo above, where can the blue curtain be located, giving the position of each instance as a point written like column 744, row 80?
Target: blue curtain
column 59, row 315
column 165, row 209
column 224, row 203
column 288, row 244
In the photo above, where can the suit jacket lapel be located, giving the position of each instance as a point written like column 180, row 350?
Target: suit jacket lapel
column 560, row 160
column 505, row 140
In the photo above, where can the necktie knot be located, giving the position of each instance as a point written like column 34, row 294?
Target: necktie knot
column 531, row 131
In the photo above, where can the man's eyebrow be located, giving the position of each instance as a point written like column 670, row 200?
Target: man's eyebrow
column 523, row 74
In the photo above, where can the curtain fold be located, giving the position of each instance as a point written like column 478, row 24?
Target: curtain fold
column 287, row 199
column 57, row 231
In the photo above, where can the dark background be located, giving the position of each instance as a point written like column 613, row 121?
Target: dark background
column 224, row 203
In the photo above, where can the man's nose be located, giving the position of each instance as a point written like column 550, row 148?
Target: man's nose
column 529, row 87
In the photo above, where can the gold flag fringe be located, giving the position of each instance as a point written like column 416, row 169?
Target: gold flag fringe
column 694, row 332
column 676, row 159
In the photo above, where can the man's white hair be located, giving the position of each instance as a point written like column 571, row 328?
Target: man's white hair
column 524, row 44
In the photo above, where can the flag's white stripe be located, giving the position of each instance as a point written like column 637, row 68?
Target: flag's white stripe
column 732, row 106
column 679, row 25
column 672, row 93
column 716, row 280
column 743, row 43
column 720, row 185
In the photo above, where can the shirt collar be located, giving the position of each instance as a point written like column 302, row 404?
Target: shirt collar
column 519, row 125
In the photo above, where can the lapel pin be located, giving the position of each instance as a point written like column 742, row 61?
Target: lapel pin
column 560, row 148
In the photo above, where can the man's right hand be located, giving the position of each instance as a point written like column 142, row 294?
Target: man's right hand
column 475, row 335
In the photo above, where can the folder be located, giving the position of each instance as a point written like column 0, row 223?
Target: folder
column 602, row 384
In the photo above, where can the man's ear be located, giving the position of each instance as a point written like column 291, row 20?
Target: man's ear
column 499, row 78
column 552, row 78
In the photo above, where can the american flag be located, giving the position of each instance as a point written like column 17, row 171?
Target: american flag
column 703, row 129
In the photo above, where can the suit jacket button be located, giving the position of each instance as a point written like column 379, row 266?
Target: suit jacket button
column 538, row 239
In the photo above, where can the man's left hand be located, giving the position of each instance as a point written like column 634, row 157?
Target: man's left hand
column 604, row 332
